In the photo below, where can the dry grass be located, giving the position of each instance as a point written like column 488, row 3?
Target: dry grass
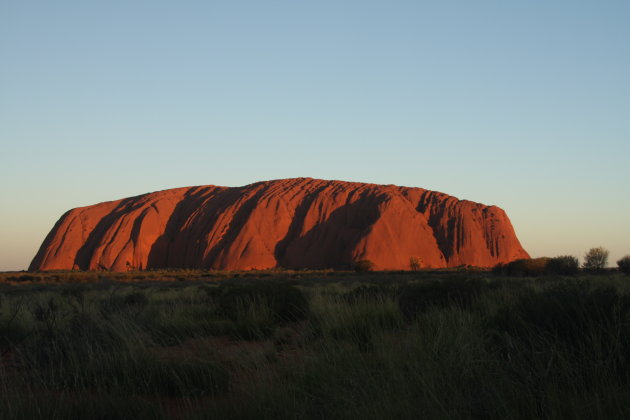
column 426, row 344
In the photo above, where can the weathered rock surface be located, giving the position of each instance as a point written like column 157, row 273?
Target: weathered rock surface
column 290, row 223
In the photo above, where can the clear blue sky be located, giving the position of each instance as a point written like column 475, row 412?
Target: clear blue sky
column 525, row 105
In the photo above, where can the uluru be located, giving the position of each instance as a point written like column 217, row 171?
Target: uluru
column 290, row 223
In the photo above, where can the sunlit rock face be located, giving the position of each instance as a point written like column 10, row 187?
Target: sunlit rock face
column 290, row 223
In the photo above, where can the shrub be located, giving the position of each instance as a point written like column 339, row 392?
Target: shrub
column 499, row 269
column 566, row 311
column 287, row 303
column 135, row 300
column 415, row 263
column 76, row 340
column 372, row 293
column 566, row 323
column 363, row 266
column 596, row 258
column 416, row 298
column 523, row 267
column 624, row 264
column 131, row 304
column 254, row 317
column 564, row 264
column 357, row 318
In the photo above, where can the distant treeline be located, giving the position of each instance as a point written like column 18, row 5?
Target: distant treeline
column 595, row 260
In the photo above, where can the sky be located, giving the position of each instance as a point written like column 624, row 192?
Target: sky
column 524, row 105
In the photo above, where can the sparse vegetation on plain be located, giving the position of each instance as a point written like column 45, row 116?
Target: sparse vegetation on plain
column 314, row 344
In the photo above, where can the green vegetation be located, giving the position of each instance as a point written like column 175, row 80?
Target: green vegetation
column 315, row 344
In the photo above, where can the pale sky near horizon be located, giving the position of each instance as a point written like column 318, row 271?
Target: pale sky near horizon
column 525, row 105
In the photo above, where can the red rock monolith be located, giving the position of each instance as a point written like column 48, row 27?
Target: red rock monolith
column 290, row 223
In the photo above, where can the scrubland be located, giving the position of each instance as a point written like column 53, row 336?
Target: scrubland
column 314, row 345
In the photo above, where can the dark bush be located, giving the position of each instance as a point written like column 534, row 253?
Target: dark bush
column 567, row 311
column 135, row 300
column 145, row 375
column 287, row 302
column 369, row 293
column 416, row 298
column 499, row 270
column 523, row 267
column 564, row 264
column 363, row 266
column 12, row 332
column 82, row 335
column 177, row 378
column 585, row 326
column 624, row 264
column 46, row 312
column 131, row 304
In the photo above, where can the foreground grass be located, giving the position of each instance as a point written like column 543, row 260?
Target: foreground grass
column 315, row 345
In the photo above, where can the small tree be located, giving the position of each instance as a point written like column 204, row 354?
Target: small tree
column 624, row 264
column 596, row 258
column 415, row 263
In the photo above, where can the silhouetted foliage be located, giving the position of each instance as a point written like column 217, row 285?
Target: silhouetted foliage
column 567, row 311
column 523, row 267
column 286, row 302
column 363, row 266
column 416, row 298
column 596, row 259
column 415, row 263
column 131, row 304
column 369, row 293
column 624, row 264
column 499, row 270
column 570, row 319
column 135, row 299
column 564, row 264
